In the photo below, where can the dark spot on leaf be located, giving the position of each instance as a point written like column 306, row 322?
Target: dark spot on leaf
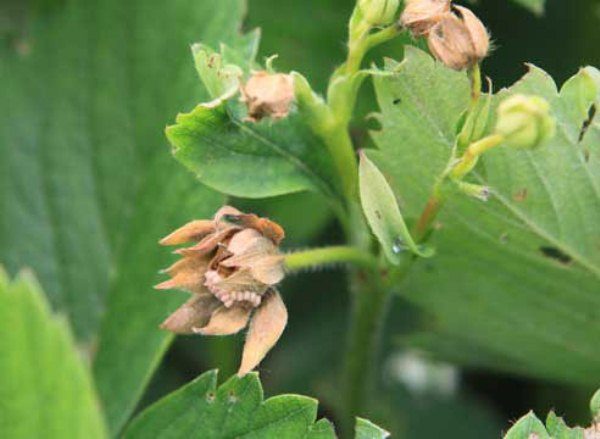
column 521, row 195
column 556, row 254
column 210, row 396
column 378, row 214
column 504, row 238
column 587, row 122
column 396, row 101
column 233, row 397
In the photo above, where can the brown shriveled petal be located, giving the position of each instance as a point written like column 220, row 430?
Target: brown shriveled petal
column 419, row 16
column 253, row 251
column 194, row 313
column 187, row 274
column 268, row 95
column 478, row 32
column 266, row 327
column 226, row 321
column 208, row 244
column 265, row 226
column 240, row 281
column 450, row 42
column 192, row 231
column 459, row 40
column 224, row 211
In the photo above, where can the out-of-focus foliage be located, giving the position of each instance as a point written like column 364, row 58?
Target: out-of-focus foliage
column 88, row 184
column 46, row 390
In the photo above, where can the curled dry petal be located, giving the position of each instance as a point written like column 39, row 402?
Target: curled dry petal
column 226, row 321
column 194, row 313
column 186, row 274
column 419, row 16
column 266, row 327
column 268, row 95
column 192, row 231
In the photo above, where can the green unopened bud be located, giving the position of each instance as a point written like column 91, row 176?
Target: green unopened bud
column 525, row 121
column 379, row 12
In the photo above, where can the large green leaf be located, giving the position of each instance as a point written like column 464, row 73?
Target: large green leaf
column 247, row 159
column 45, row 389
column 87, row 184
column 235, row 409
column 515, row 285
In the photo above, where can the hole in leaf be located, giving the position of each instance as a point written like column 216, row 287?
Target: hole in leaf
column 556, row 254
column 396, row 101
column 587, row 122
column 210, row 396
column 232, row 397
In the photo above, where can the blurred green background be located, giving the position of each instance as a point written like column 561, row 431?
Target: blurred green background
column 91, row 255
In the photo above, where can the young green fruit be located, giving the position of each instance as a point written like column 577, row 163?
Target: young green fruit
column 379, row 12
column 525, row 121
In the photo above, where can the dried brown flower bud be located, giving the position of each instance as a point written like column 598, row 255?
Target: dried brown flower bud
column 231, row 271
column 460, row 39
column 419, row 16
column 268, row 95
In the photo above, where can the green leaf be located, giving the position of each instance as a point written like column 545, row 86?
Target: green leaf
column 247, row 159
column 234, row 409
column 382, row 212
column 527, row 426
column 515, row 282
column 365, row 429
column 559, row 430
column 87, row 183
column 45, row 390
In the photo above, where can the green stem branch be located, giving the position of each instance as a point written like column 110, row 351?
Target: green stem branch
column 330, row 255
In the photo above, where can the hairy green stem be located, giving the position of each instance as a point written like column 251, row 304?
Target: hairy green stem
column 330, row 255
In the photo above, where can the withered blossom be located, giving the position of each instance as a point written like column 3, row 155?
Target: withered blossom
column 419, row 16
column 268, row 95
column 231, row 272
column 459, row 39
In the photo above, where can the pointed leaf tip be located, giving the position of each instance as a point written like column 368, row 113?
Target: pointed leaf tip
column 383, row 213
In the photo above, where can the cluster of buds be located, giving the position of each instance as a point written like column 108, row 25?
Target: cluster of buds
column 455, row 35
column 268, row 95
column 231, row 272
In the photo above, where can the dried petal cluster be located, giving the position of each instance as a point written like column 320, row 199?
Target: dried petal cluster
column 268, row 95
column 231, row 271
column 455, row 35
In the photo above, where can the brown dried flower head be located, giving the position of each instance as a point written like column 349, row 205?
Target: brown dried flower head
column 231, row 271
column 419, row 16
column 268, row 95
column 460, row 39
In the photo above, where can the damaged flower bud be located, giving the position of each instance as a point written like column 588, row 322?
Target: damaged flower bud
column 379, row 12
column 459, row 39
column 525, row 121
column 268, row 95
column 231, row 271
column 419, row 16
